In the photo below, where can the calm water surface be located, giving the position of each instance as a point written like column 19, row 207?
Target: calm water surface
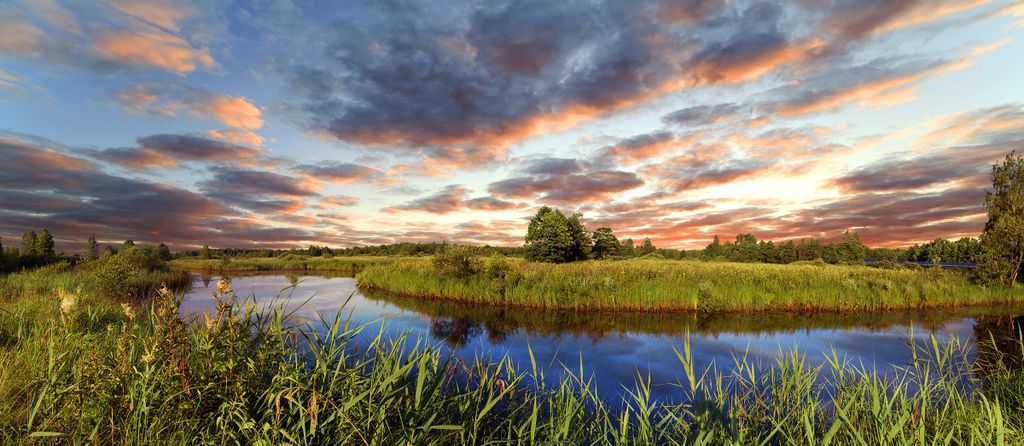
column 613, row 348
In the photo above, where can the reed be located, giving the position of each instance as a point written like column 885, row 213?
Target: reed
column 662, row 285
column 95, row 372
column 287, row 262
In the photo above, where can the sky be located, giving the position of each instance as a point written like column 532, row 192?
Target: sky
column 277, row 124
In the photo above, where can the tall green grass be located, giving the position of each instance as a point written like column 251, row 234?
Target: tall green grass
column 657, row 285
column 94, row 372
column 288, row 262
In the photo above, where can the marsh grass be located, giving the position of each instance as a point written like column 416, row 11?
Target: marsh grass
column 98, row 372
column 288, row 262
column 659, row 285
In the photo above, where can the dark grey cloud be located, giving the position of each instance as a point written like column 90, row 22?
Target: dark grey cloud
column 341, row 173
column 562, row 180
column 257, row 190
column 701, row 115
column 484, row 76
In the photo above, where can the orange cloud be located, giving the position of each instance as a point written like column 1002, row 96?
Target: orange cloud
column 152, row 47
column 237, row 136
column 233, row 111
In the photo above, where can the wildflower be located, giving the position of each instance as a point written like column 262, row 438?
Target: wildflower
column 67, row 301
column 210, row 322
column 164, row 291
column 224, row 285
column 128, row 311
column 150, row 357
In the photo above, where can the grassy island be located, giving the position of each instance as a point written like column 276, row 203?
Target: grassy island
column 662, row 285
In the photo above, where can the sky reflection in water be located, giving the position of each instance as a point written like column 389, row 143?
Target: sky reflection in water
column 613, row 348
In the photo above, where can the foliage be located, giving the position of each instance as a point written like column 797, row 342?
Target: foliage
column 44, row 245
column 1002, row 241
column 656, row 285
column 29, row 244
column 205, row 252
column 747, row 248
column 92, row 248
column 646, row 248
column 457, row 262
column 605, row 243
column 548, row 237
column 964, row 250
column 95, row 372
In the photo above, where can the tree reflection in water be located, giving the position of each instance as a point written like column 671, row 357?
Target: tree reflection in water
column 456, row 332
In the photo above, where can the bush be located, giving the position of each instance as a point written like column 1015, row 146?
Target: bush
column 885, row 264
column 457, row 262
column 498, row 267
column 116, row 275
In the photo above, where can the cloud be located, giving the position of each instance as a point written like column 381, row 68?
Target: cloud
column 641, row 147
column 42, row 187
column 104, row 37
column 408, row 78
column 558, row 181
column 257, row 190
column 166, row 150
column 452, row 199
column 237, row 137
column 337, row 201
column 343, row 173
column 171, row 99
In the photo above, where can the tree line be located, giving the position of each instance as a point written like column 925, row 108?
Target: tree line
column 37, row 249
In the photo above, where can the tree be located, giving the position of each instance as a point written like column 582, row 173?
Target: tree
column 713, row 250
column 548, row 238
column 647, row 247
column 582, row 245
column 1002, row 240
column 93, row 250
column 128, row 245
column 163, row 252
column 28, row 244
column 44, row 245
column 627, row 249
column 605, row 242
column 109, row 251
column 204, row 253
column 850, row 248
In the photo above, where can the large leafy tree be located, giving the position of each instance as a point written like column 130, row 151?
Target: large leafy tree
column 44, row 244
column 28, row 244
column 548, row 238
column 647, row 247
column 582, row 245
column 1002, row 241
column 605, row 242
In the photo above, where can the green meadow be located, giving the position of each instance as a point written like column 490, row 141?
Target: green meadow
column 680, row 285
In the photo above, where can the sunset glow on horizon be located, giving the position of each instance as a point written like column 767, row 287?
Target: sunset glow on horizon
column 282, row 124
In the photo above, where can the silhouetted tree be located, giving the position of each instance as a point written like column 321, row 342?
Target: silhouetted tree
column 204, row 253
column 109, row 251
column 128, row 245
column 93, row 248
column 163, row 252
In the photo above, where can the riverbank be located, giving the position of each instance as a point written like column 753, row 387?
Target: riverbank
column 288, row 262
column 238, row 378
column 686, row 286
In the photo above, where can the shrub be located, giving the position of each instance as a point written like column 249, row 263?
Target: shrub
column 457, row 262
column 115, row 275
column 885, row 264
